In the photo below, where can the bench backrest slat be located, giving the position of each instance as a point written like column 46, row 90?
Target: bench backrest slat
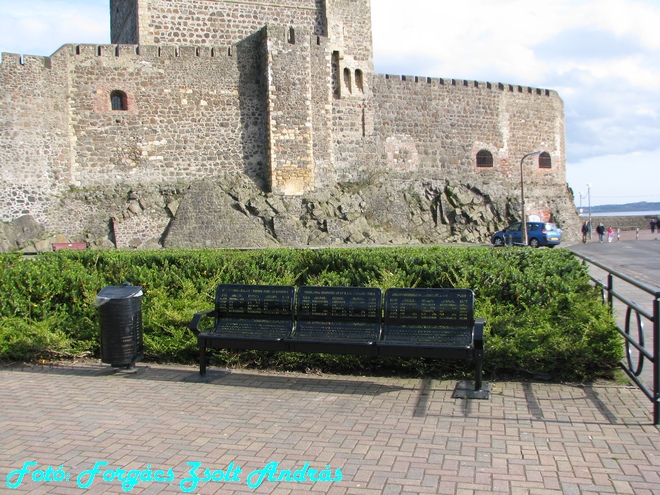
column 349, row 304
column 339, row 314
column 436, row 307
column 273, row 302
column 429, row 315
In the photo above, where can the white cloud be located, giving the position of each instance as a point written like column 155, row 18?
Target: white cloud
column 40, row 27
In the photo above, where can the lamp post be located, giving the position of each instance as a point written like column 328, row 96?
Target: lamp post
column 589, row 204
column 582, row 196
column 522, row 196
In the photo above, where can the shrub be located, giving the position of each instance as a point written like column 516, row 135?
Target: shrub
column 543, row 315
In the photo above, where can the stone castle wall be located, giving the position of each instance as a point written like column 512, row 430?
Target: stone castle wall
column 295, row 108
column 35, row 146
column 434, row 128
column 191, row 111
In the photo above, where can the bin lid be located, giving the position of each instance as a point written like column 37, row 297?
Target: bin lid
column 118, row 292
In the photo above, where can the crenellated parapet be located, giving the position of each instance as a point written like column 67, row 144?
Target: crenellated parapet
column 465, row 84
column 78, row 53
column 16, row 61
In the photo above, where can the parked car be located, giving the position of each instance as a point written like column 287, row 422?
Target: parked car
column 538, row 234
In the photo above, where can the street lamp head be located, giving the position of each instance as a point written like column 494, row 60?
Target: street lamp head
column 533, row 153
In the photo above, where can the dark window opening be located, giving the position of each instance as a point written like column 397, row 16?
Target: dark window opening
column 347, row 80
column 118, row 100
column 484, row 159
column 359, row 81
column 544, row 160
column 336, row 76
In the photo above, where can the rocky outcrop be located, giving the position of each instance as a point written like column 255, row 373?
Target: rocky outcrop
column 20, row 233
column 236, row 213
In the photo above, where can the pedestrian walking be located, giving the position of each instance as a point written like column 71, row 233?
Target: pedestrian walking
column 600, row 230
column 586, row 228
column 610, row 234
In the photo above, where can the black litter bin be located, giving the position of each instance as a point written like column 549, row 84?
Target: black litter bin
column 120, row 315
column 508, row 240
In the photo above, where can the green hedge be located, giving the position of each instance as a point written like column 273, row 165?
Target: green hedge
column 543, row 315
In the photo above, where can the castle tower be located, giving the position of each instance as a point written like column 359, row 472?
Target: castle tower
column 296, row 68
column 223, row 22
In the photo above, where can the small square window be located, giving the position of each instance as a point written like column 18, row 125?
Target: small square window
column 118, row 101
column 484, row 159
column 545, row 161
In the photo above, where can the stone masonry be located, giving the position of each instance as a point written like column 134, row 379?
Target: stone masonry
column 227, row 123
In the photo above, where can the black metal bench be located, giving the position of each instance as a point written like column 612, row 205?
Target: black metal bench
column 435, row 323
column 258, row 317
column 428, row 323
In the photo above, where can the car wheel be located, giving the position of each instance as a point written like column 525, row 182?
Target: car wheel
column 498, row 241
column 534, row 242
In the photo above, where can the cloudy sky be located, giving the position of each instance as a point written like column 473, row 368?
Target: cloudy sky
column 602, row 56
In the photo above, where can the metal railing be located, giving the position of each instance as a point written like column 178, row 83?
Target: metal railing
column 638, row 315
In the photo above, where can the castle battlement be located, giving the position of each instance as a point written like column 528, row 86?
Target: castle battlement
column 465, row 83
column 150, row 52
column 15, row 60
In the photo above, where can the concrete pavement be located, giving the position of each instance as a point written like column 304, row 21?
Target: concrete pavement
column 359, row 435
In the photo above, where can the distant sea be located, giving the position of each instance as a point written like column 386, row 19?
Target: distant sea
column 655, row 213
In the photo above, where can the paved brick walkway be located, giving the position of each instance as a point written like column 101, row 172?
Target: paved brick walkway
column 385, row 435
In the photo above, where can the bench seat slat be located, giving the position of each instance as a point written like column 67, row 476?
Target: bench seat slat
column 334, row 331
column 426, row 351
column 400, row 335
column 256, row 329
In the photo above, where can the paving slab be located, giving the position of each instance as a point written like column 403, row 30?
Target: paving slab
column 288, row 433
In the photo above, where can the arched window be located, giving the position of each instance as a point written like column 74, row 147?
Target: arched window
column 347, row 80
column 118, row 100
column 484, row 159
column 544, row 160
column 359, row 81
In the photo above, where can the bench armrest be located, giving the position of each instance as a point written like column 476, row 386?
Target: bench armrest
column 194, row 324
column 478, row 335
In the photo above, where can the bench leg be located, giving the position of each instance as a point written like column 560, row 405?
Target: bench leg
column 478, row 367
column 202, row 357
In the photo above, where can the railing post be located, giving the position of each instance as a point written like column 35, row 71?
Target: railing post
column 656, row 358
column 610, row 290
